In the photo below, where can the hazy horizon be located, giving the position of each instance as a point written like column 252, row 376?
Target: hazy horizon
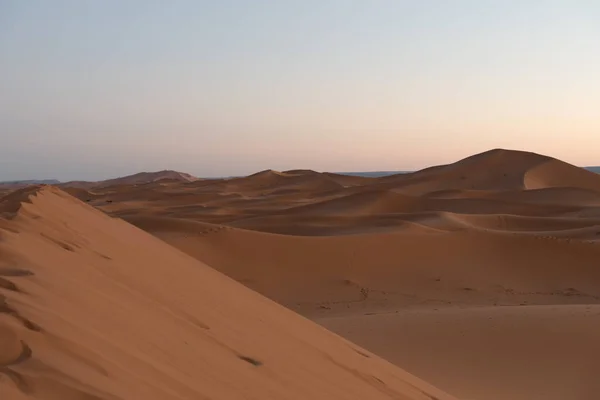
column 95, row 90
column 371, row 173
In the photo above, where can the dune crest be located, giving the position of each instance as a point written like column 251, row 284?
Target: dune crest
column 135, row 179
column 103, row 310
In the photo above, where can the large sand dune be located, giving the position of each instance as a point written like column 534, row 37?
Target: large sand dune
column 480, row 276
column 93, row 308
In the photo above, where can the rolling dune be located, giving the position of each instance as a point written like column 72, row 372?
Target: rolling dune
column 495, row 170
column 451, row 197
column 481, row 276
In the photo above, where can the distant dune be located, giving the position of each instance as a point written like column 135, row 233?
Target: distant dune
column 374, row 174
column 481, row 277
column 135, row 179
column 147, row 177
column 12, row 185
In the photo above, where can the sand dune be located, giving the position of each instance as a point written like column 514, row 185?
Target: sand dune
column 497, row 169
column 572, row 196
column 305, row 202
column 363, row 202
column 519, row 224
column 102, row 310
column 273, row 182
column 480, row 276
column 554, row 173
column 512, row 236
column 349, row 180
column 135, row 179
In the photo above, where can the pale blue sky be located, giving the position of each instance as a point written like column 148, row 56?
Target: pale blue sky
column 96, row 89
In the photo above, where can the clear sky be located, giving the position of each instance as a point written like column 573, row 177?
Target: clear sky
column 97, row 89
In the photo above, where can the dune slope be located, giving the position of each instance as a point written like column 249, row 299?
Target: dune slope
column 482, row 315
column 94, row 308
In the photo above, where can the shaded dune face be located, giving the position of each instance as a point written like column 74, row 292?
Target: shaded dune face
column 94, row 308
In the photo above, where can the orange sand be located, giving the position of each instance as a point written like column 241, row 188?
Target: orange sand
column 480, row 277
column 94, row 308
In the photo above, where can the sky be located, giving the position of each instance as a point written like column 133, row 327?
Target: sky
column 99, row 89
